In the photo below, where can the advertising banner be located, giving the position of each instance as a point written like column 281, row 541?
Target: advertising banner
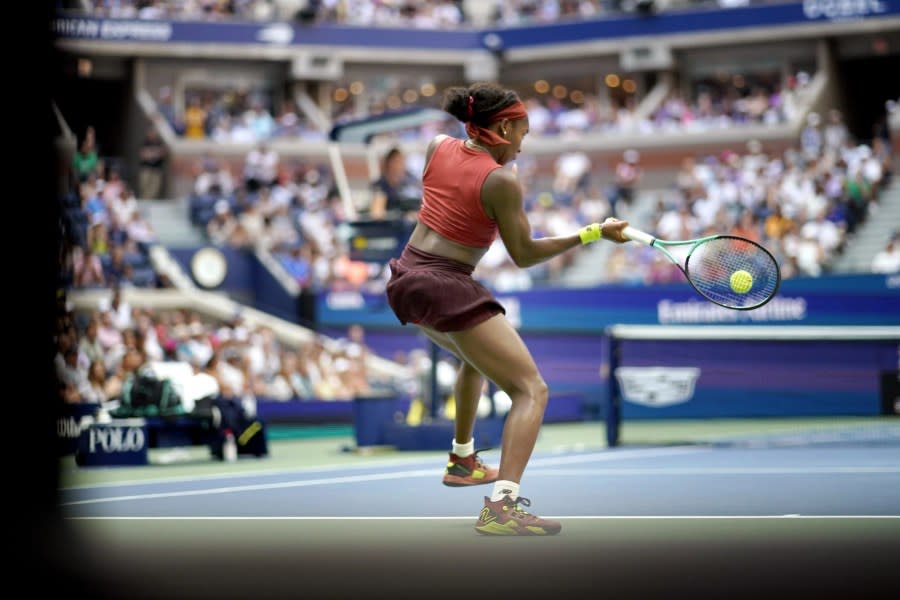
column 831, row 300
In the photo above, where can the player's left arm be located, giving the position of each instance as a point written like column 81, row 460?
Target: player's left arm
column 503, row 201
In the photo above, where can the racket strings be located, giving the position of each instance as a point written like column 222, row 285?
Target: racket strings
column 710, row 265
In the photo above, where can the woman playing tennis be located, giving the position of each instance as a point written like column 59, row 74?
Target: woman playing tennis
column 467, row 199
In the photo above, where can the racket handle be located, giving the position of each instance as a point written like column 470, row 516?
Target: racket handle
column 638, row 236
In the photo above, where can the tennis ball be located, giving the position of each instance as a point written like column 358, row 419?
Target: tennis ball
column 741, row 282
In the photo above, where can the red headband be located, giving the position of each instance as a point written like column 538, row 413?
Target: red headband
column 512, row 112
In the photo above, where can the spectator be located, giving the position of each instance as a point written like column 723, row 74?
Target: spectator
column 357, row 353
column 121, row 374
column 881, row 152
column 776, row 225
column 627, row 176
column 302, row 379
column 87, row 268
column 151, row 165
column 195, row 119
column 250, row 229
column 89, row 344
column 297, row 261
column 572, row 172
column 112, row 185
column 811, row 143
column 72, row 375
column 259, row 120
column 122, row 208
column 747, row 226
column 261, row 167
column 86, row 159
column 194, row 347
column 110, row 336
column 288, row 383
column 140, row 230
column 396, row 192
column 836, row 132
column 95, row 392
column 166, row 109
column 92, row 202
column 887, row 260
column 221, row 226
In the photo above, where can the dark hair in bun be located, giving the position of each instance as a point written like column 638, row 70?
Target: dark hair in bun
column 487, row 98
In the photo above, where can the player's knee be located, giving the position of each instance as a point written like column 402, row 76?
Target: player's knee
column 540, row 392
column 532, row 389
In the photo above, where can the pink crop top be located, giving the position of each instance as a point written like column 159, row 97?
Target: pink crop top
column 451, row 199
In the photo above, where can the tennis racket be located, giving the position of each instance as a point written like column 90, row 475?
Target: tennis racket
column 727, row 270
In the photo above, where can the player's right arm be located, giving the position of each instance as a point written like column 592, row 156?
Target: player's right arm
column 433, row 145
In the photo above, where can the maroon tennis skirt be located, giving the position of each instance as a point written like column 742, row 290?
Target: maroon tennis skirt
column 426, row 289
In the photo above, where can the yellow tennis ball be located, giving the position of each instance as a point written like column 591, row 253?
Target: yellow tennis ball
column 741, row 282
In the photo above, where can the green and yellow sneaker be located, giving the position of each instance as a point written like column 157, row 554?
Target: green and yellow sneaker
column 504, row 517
column 469, row 470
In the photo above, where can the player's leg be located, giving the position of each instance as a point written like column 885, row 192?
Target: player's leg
column 467, row 392
column 495, row 348
column 464, row 467
column 467, row 388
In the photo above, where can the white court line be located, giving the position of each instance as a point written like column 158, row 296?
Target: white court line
column 248, row 474
column 616, row 455
column 263, row 486
column 556, row 460
column 469, row 517
column 721, row 471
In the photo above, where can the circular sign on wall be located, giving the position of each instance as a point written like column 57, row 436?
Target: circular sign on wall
column 209, row 267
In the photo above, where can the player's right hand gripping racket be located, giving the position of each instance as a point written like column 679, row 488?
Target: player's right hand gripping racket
column 728, row 270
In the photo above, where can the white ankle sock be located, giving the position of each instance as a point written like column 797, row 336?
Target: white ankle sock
column 504, row 488
column 463, row 450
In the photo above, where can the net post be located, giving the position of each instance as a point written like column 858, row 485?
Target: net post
column 611, row 403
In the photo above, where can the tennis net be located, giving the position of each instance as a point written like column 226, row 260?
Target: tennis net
column 754, row 385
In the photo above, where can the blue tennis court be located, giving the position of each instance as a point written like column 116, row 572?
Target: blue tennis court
column 658, row 520
column 681, row 481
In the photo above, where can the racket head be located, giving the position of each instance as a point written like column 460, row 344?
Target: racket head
column 710, row 264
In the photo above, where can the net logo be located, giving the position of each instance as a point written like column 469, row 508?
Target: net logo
column 116, row 439
column 842, row 9
column 657, row 386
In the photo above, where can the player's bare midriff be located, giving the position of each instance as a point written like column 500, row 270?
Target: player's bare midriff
column 428, row 240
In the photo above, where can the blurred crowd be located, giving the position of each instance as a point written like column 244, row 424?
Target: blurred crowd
column 99, row 349
column 804, row 204
column 242, row 115
column 294, row 211
column 420, row 14
column 105, row 236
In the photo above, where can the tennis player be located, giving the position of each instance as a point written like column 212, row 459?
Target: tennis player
column 467, row 199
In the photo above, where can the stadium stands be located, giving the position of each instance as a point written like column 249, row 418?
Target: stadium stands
column 753, row 140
